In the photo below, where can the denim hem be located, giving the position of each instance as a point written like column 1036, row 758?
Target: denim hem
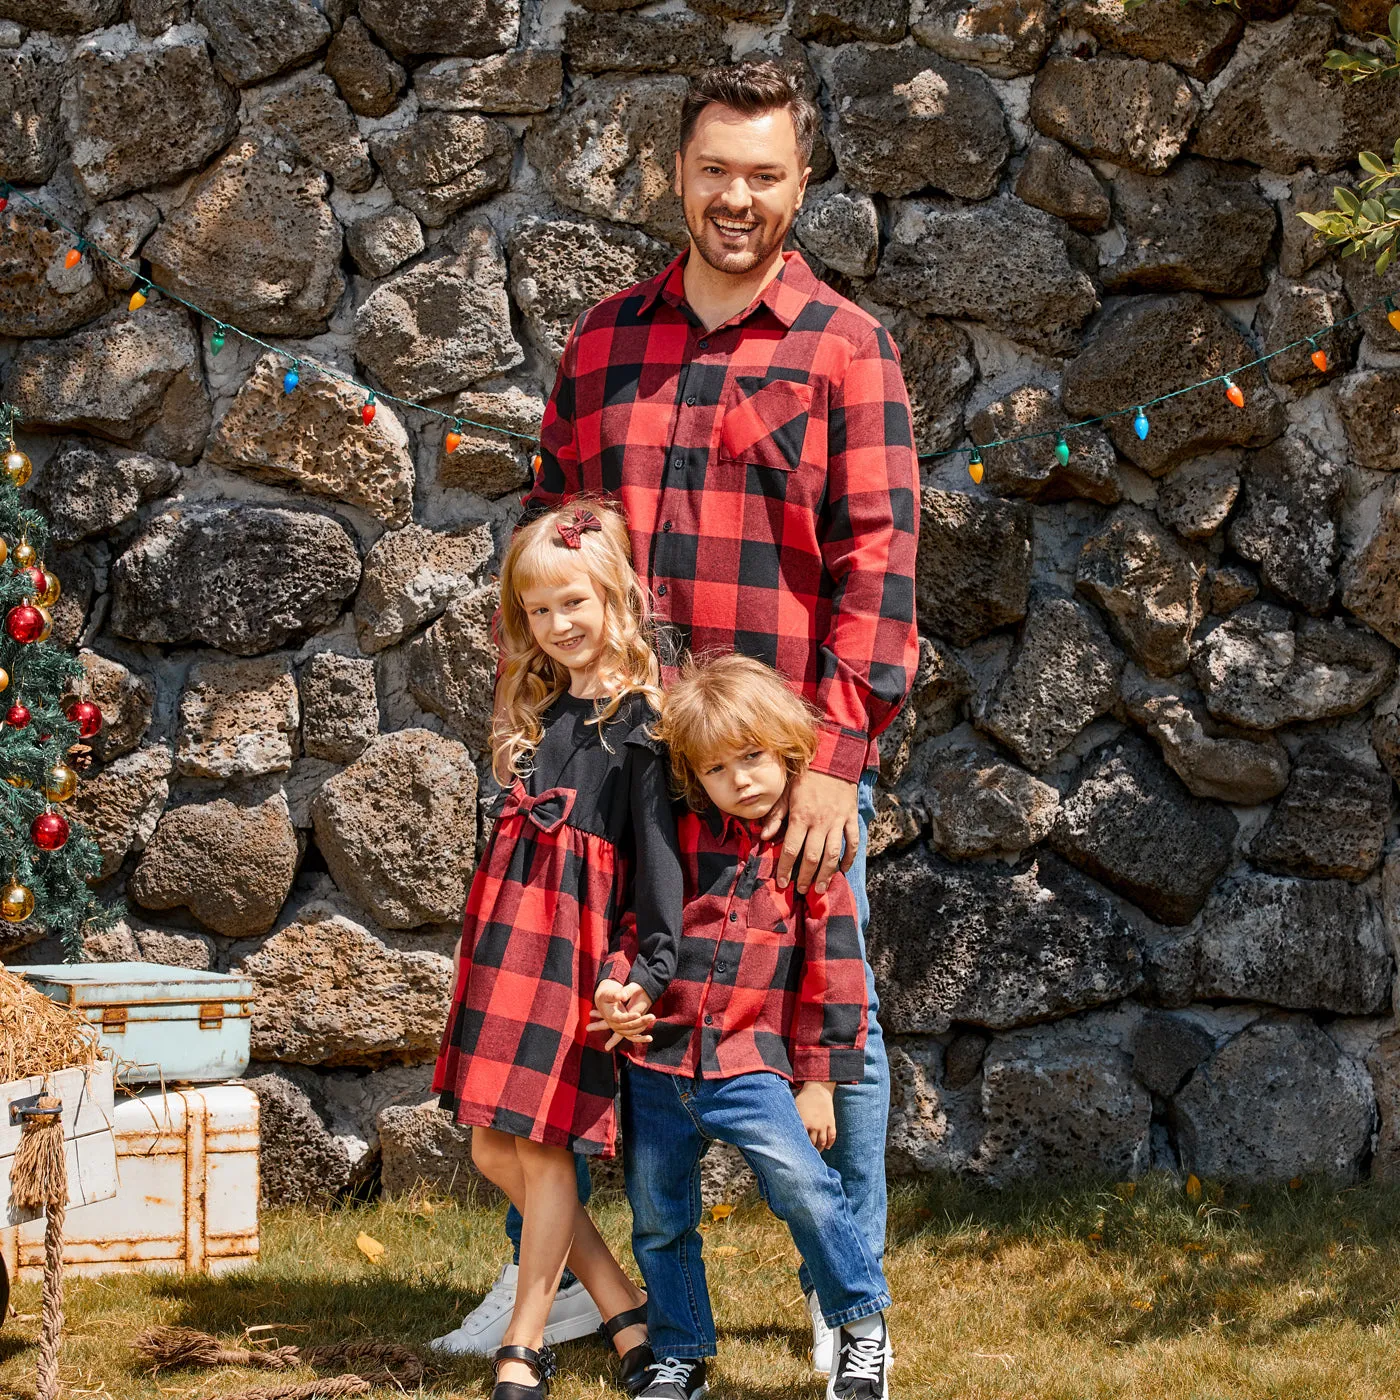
column 877, row 1304
column 699, row 1352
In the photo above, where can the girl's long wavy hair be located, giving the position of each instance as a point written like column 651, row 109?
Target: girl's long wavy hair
column 531, row 680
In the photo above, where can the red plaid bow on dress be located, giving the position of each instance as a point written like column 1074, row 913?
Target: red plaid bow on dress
column 572, row 535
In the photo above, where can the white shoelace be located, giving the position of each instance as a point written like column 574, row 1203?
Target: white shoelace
column 672, row 1371
column 863, row 1359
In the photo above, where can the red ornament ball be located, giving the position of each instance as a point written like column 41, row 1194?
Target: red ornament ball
column 86, row 716
column 24, row 623
column 49, row 831
column 38, row 579
column 17, row 716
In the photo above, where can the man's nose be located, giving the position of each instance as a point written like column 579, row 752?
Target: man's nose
column 738, row 196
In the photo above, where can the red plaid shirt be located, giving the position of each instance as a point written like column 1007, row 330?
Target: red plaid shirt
column 768, row 472
column 767, row 979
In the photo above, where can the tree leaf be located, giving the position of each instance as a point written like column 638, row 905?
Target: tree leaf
column 1383, row 262
column 1395, row 23
column 369, row 1247
column 1193, row 1187
column 1346, row 201
column 1368, row 160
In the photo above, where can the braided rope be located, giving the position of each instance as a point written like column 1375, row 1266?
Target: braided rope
column 39, row 1181
column 328, row 1389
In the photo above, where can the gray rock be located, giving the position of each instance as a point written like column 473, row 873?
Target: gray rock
column 1301, row 247
column 611, row 152
column 939, row 368
column 133, row 378
column 1130, row 822
column 1196, row 499
column 369, row 80
column 1331, row 820
column 963, row 1059
column 1263, row 668
column 842, row 227
column 524, row 80
column 1001, row 263
column 86, row 490
column 308, row 113
column 1166, row 1050
column 125, row 697
column 255, row 39
column 1365, row 289
column 144, row 113
column 980, row 805
column 1200, row 227
column 242, row 577
column 350, row 1102
column 1369, row 402
column 474, row 28
column 153, row 17
column 1126, row 110
column 1197, row 37
column 444, row 162
column 1292, row 311
column 1371, row 570
column 974, row 564
column 300, row 1161
column 1297, row 943
column 974, row 944
column 119, row 805
column 31, row 137
column 119, row 228
column 315, row 441
column 411, row 575
column 935, row 703
column 1005, row 38
column 1288, row 524
column 452, row 667
column 907, row 119
column 397, row 828
column 339, row 707
column 238, row 719
column 493, row 464
column 1032, row 469
column 1384, row 1069
column 380, row 243
column 79, row 584
column 1231, row 587
column 762, row 10
column 423, row 1149
column 841, row 21
column 1054, row 179
column 65, row 16
column 1062, row 674
column 441, row 324
column 254, row 241
column 231, row 866
column 1385, row 731
column 628, row 43
column 328, row 992
column 1147, row 584
column 1277, row 1102
column 559, row 267
column 1214, row 760
column 38, row 296
column 1153, row 345
column 1324, row 121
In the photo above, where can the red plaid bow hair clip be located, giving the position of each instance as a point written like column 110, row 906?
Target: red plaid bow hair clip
column 572, row 535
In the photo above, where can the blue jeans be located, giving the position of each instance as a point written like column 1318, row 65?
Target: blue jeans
column 668, row 1124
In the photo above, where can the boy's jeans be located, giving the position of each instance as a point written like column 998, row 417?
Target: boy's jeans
column 862, row 1110
column 668, row 1124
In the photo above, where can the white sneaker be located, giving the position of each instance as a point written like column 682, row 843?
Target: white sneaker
column 821, row 1337
column 483, row 1330
column 860, row 1367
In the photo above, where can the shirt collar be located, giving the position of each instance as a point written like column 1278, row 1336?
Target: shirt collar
column 785, row 296
column 725, row 828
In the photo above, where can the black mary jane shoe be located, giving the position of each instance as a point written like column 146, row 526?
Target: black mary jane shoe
column 541, row 1362
column 632, row 1369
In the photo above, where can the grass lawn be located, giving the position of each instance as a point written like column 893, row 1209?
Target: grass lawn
column 1095, row 1291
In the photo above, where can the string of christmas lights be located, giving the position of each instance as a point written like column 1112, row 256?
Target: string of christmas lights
column 292, row 378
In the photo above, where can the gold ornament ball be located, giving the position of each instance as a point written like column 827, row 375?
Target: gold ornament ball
column 61, row 783
column 48, row 624
column 18, row 467
column 25, row 554
column 15, row 780
column 4, row 549
column 4, row 678
column 16, row 902
column 49, row 596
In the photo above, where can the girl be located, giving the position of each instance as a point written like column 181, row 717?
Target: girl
column 584, row 841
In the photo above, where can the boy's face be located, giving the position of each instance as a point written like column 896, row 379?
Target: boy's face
column 744, row 782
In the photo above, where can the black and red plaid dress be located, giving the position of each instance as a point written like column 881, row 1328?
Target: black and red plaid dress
column 588, row 839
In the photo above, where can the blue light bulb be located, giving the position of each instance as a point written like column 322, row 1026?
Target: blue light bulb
column 1062, row 451
column 291, row 379
column 1141, row 425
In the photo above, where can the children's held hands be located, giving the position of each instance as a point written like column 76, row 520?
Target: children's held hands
column 821, row 816
column 623, row 1011
column 816, row 1105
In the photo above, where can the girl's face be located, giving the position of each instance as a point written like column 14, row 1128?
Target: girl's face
column 566, row 621
column 744, row 782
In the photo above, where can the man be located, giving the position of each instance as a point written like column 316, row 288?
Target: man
column 755, row 427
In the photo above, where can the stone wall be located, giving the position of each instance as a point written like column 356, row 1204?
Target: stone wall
column 1132, row 901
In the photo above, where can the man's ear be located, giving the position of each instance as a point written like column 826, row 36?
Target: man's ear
column 802, row 186
column 679, row 188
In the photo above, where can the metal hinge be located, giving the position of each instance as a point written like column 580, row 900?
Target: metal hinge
column 211, row 1015
column 114, row 1019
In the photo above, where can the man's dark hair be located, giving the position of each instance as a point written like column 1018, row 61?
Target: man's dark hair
column 751, row 89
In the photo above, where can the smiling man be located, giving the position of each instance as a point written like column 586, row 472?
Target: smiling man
column 755, row 427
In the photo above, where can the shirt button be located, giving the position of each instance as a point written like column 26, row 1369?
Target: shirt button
column 733, row 916
column 721, row 966
column 661, row 590
column 709, row 1020
column 665, row 527
column 690, row 402
column 677, row 463
column 704, row 344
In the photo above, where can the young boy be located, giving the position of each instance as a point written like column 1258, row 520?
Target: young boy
column 769, row 994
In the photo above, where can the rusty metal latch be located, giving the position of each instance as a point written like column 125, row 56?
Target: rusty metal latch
column 114, row 1019
column 211, row 1015
column 20, row 1109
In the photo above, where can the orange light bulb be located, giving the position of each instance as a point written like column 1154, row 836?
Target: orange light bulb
column 73, row 258
column 1394, row 318
column 452, row 441
column 138, row 300
column 1235, row 394
column 1319, row 359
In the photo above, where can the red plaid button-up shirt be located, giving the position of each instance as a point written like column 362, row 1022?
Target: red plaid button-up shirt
column 768, row 472
column 767, row 979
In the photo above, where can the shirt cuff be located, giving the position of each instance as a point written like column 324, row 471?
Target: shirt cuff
column 841, row 753
column 827, row 1065
column 616, row 966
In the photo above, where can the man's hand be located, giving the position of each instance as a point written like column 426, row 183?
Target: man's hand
column 817, row 1107
column 821, row 815
column 623, row 1011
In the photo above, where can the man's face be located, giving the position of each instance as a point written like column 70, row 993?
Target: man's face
column 741, row 181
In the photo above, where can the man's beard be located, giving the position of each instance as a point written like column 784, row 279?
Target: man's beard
column 735, row 263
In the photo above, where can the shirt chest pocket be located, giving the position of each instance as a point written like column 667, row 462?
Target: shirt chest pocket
column 767, row 423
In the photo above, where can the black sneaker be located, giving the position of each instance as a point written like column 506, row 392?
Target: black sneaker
column 860, row 1369
column 670, row 1379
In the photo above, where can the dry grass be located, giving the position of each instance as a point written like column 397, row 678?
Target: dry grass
column 37, row 1035
column 1071, row 1294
